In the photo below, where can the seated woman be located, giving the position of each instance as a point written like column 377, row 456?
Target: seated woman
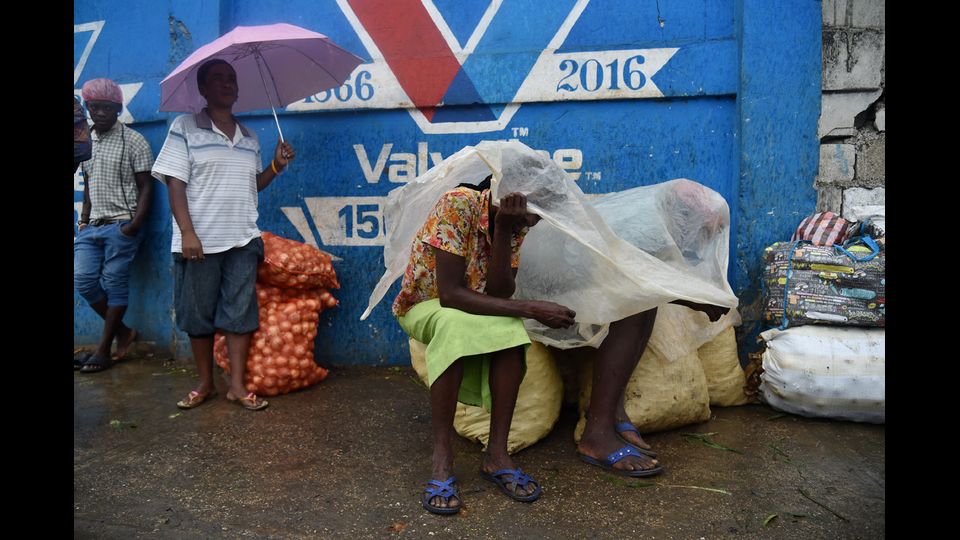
column 455, row 297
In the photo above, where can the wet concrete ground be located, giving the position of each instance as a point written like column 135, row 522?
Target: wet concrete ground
column 348, row 458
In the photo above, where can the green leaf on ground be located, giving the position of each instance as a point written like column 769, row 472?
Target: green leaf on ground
column 173, row 371
column 620, row 481
column 774, row 417
column 704, row 438
column 770, row 518
column 715, row 490
column 804, row 493
column 120, row 426
column 780, row 453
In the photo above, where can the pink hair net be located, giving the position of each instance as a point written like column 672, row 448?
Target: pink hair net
column 102, row 90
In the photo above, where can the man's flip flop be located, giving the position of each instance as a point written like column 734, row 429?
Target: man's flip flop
column 443, row 489
column 80, row 358
column 250, row 401
column 518, row 478
column 195, row 399
column 95, row 364
column 623, row 427
column 607, row 464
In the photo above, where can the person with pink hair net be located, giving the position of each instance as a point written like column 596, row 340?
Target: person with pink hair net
column 117, row 191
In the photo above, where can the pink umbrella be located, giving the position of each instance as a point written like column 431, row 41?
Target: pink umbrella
column 288, row 62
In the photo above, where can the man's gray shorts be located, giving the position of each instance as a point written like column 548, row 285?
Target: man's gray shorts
column 218, row 292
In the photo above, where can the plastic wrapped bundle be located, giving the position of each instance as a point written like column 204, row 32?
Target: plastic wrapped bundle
column 826, row 371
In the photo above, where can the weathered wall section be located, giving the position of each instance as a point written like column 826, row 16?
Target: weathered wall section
column 852, row 127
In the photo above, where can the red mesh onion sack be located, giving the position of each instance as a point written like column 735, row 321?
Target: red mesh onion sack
column 292, row 264
column 280, row 358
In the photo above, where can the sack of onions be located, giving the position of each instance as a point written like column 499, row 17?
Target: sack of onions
column 280, row 359
column 291, row 264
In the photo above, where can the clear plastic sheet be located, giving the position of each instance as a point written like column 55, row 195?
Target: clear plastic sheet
column 573, row 256
column 687, row 226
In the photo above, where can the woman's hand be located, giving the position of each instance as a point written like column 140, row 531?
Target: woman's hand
column 551, row 314
column 513, row 212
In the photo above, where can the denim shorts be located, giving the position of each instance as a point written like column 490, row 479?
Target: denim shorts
column 218, row 292
column 101, row 263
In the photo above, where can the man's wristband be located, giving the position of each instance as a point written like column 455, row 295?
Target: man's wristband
column 273, row 166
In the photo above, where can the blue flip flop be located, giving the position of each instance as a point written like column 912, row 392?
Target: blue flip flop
column 518, row 478
column 443, row 489
column 608, row 463
column 623, row 427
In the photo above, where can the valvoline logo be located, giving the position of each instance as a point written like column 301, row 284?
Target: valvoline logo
column 469, row 67
column 432, row 68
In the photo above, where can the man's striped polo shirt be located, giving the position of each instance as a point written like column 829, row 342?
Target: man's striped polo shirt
column 221, row 178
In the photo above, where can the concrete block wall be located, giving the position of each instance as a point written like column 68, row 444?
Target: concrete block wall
column 852, row 126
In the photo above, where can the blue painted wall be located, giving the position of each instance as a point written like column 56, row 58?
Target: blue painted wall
column 778, row 109
column 734, row 106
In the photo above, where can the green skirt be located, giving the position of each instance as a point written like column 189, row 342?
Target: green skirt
column 451, row 334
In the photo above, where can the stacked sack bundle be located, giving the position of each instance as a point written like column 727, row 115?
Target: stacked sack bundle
column 664, row 394
column 293, row 283
column 660, row 395
column 538, row 400
column 825, row 294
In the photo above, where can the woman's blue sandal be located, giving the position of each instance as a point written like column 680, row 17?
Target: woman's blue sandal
column 624, row 427
column 443, row 489
column 518, row 478
column 626, row 451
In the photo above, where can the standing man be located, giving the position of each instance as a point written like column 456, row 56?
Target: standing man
column 212, row 167
column 117, row 190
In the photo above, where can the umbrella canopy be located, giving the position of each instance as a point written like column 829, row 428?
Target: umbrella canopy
column 276, row 64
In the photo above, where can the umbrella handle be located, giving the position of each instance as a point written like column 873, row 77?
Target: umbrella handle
column 267, row 93
column 278, row 122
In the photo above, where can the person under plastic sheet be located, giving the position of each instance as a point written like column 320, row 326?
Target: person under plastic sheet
column 671, row 235
column 698, row 215
column 456, row 298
